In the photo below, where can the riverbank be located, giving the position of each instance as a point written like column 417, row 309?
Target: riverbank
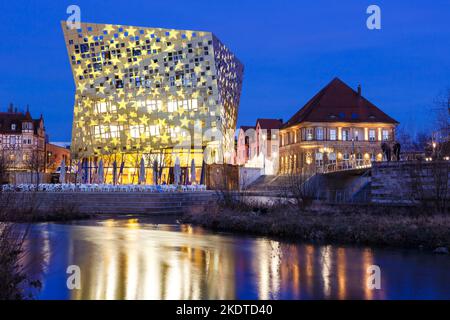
column 50, row 216
column 354, row 225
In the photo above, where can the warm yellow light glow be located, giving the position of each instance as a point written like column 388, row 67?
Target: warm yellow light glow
column 138, row 101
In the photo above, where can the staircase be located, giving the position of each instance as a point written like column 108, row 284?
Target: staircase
column 277, row 183
column 265, row 183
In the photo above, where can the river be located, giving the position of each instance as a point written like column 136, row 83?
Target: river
column 142, row 258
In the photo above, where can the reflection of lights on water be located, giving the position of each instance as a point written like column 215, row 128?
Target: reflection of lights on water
column 147, row 264
column 269, row 258
column 326, row 262
column 152, row 277
column 125, row 260
column 46, row 250
column 367, row 261
column 341, row 268
column 132, row 263
column 132, row 224
column 110, row 223
column 309, row 267
column 275, row 267
column 173, row 278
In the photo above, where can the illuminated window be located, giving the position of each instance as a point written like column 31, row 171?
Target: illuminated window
column 356, row 135
column 193, row 104
column 184, row 104
column 154, row 130
column 309, row 134
column 115, row 131
column 97, row 131
column 385, row 135
column 174, row 132
column 372, row 135
column 319, row 158
column 136, row 131
column 101, row 106
column 153, row 105
column 141, row 103
column 359, row 158
column 319, row 133
column 345, row 135
column 332, row 134
column 172, row 106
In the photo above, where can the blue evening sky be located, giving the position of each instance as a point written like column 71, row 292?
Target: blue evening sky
column 290, row 50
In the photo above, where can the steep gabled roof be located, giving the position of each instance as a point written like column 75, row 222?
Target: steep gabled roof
column 269, row 123
column 9, row 118
column 338, row 102
column 245, row 128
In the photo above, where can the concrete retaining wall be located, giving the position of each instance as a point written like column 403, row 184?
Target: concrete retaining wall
column 410, row 182
column 109, row 202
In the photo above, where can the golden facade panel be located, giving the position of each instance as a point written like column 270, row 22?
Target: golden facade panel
column 151, row 90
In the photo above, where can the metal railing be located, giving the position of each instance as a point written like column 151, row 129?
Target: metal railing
column 344, row 166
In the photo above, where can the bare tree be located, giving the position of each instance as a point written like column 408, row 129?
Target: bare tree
column 5, row 164
column 12, row 238
column 35, row 164
column 429, row 185
column 301, row 188
column 441, row 134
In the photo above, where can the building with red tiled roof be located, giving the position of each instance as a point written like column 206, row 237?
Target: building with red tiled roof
column 336, row 127
column 22, row 140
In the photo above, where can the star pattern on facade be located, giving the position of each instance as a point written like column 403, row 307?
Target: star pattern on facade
column 152, row 81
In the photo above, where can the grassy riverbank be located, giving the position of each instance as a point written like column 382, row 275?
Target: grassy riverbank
column 369, row 226
column 59, row 216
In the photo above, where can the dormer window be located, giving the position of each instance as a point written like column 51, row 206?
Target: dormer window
column 27, row 126
column 13, row 127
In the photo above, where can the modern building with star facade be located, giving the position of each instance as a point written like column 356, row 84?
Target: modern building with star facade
column 152, row 93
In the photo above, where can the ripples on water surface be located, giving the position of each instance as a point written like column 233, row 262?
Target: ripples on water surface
column 135, row 258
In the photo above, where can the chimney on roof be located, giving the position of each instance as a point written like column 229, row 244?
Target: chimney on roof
column 359, row 90
column 10, row 107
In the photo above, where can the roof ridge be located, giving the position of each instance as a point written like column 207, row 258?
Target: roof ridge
column 338, row 97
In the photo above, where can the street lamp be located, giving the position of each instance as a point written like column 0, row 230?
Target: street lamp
column 434, row 149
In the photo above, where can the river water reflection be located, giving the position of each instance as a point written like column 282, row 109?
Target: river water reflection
column 135, row 258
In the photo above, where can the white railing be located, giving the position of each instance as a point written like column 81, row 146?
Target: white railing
column 345, row 165
column 70, row 187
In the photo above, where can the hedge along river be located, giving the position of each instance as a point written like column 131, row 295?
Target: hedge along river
column 141, row 258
